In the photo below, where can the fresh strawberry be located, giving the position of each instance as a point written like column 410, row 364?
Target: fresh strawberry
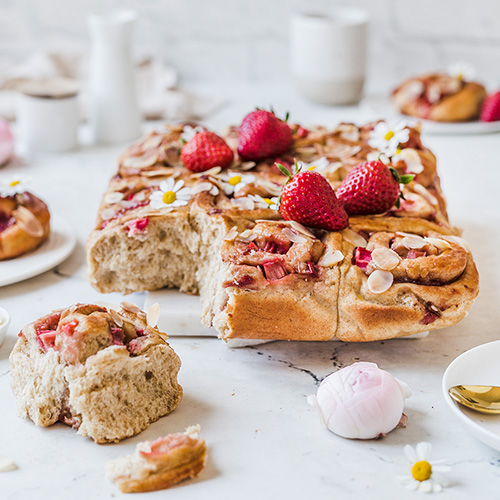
column 308, row 198
column 371, row 188
column 263, row 135
column 491, row 108
column 205, row 151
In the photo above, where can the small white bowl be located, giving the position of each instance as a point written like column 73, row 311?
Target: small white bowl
column 4, row 323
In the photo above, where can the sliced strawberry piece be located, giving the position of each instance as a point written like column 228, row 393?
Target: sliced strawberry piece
column 164, row 445
column 46, row 339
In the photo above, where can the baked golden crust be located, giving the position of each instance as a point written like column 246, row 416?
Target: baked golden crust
column 263, row 278
column 27, row 224
column 442, row 98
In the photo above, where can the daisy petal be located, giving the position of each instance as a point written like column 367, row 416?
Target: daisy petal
column 424, row 450
column 425, row 486
column 410, row 453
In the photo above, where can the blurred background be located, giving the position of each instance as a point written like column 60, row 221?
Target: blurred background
column 245, row 41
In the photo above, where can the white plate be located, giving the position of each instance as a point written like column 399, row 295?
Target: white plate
column 479, row 366
column 382, row 106
column 52, row 252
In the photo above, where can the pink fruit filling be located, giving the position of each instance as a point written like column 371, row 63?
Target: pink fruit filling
column 46, row 339
column 117, row 334
column 273, row 247
column 362, row 257
column 6, row 221
column 414, row 254
column 432, row 313
column 274, row 269
column 162, row 446
column 136, row 226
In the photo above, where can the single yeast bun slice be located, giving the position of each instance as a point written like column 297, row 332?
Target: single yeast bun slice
column 107, row 373
column 159, row 464
column 24, row 224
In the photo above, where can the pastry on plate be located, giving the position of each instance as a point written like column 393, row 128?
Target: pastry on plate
column 440, row 97
column 108, row 373
column 220, row 233
column 160, row 464
column 24, row 220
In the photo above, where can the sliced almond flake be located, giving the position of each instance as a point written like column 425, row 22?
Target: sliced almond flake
column 354, row 238
column 293, row 235
column 246, row 236
column 243, row 203
column 128, row 306
column 349, row 152
column 113, row 197
column 301, row 229
column 402, row 233
column 422, row 191
column 439, row 243
column 330, row 258
column 334, row 166
column 158, row 172
column 28, row 222
column 412, row 160
column 201, row 187
column 413, row 242
column 461, row 242
column 107, row 213
column 306, row 149
column 209, row 172
column 153, row 315
column 385, row 258
column 247, row 165
column 379, row 281
column 7, row 464
column 140, row 196
column 270, row 187
column 146, row 160
column 116, row 317
column 231, row 234
column 152, row 142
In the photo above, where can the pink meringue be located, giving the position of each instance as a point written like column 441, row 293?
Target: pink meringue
column 360, row 401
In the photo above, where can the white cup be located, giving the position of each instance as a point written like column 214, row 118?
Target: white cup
column 328, row 55
column 47, row 116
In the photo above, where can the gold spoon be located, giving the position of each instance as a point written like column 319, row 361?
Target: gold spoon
column 481, row 398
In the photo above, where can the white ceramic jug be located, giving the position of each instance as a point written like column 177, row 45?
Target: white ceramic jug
column 114, row 112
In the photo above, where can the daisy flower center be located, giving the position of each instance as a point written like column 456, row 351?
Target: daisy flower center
column 268, row 201
column 311, row 168
column 236, row 179
column 421, row 471
column 14, row 183
column 389, row 135
column 169, row 197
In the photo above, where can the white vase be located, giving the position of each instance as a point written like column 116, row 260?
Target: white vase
column 114, row 113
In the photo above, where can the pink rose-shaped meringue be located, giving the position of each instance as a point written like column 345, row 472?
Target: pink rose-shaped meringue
column 360, row 401
column 6, row 142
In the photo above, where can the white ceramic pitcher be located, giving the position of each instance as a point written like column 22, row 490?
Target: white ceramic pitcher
column 114, row 112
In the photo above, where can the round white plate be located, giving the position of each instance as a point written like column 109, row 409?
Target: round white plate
column 59, row 245
column 478, row 366
column 381, row 106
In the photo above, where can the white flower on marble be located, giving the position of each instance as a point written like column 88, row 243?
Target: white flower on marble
column 232, row 182
column 189, row 132
column 320, row 165
column 171, row 194
column 260, row 202
column 387, row 137
column 13, row 186
column 462, row 71
column 427, row 476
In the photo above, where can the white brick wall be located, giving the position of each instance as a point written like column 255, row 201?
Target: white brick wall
column 246, row 40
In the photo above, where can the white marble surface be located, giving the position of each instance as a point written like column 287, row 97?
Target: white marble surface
column 264, row 441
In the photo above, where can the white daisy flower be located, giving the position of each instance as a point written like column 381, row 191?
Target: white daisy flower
column 189, row 132
column 170, row 195
column 320, row 165
column 426, row 475
column 15, row 185
column 462, row 71
column 260, row 202
column 232, row 182
column 387, row 138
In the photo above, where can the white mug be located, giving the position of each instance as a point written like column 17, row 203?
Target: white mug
column 328, row 55
column 48, row 115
